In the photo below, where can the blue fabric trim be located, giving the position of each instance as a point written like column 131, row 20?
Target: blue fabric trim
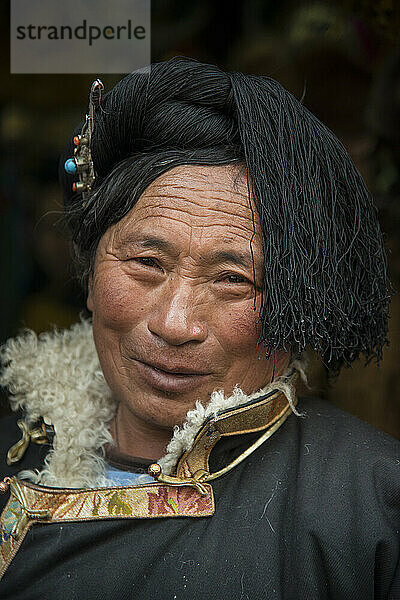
column 118, row 477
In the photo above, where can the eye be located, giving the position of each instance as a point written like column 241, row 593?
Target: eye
column 147, row 261
column 234, row 278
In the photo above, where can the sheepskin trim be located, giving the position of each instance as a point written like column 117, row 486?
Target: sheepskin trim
column 184, row 436
column 58, row 376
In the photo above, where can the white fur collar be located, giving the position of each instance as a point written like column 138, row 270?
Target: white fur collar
column 58, row 376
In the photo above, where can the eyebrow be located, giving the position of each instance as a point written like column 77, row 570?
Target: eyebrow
column 240, row 259
column 237, row 258
column 148, row 242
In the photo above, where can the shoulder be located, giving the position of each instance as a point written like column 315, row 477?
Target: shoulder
column 346, row 465
column 343, row 444
column 335, row 429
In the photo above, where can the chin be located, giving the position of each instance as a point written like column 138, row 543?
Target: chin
column 165, row 410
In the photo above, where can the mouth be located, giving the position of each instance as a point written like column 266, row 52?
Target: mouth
column 170, row 379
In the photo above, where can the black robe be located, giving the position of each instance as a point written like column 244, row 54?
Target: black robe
column 314, row 513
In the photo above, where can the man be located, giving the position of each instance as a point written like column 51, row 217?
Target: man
column 220, row 230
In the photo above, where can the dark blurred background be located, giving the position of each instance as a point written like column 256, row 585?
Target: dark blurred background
column 342, row 57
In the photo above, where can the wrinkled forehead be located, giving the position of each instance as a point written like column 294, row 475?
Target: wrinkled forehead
column 213, row 199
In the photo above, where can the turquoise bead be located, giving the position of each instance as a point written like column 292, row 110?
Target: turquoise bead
column 70, row 166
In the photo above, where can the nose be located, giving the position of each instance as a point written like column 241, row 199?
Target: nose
column 174, row 316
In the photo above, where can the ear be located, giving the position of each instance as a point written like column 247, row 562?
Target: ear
column 89, row 301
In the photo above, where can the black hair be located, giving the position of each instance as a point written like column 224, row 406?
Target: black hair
column 325, row 282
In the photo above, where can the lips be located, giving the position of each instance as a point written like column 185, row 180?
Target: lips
column 170, row 378
column 176, row 370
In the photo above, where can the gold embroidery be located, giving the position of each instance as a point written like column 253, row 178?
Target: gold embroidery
column 118, row 505
column 96, row 504
column 262, row 413
column 30, row 503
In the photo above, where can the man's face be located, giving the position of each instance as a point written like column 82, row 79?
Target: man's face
column 172, row 295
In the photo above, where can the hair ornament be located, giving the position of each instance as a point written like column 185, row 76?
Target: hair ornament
column 82, row 162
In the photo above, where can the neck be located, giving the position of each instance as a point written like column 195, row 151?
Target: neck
column 135, row 437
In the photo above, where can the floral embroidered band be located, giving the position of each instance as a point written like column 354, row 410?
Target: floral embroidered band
column 29, row 504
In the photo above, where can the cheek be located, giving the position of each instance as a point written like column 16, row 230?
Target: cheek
column 116, row 302
column 242, row 329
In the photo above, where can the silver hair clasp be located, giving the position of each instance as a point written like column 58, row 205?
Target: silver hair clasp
column 82, row 162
